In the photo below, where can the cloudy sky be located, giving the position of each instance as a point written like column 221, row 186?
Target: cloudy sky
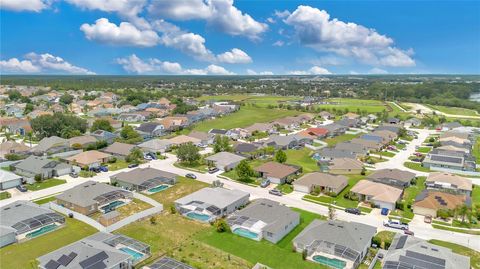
column 226, row 37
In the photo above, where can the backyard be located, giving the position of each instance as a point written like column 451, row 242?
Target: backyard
column 183, row 187
column 338, row 139
column 47, row 183
column 409, row 198
column 23, row 255
column 302, row 157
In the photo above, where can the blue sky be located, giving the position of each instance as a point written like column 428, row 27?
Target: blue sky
column 239, row 37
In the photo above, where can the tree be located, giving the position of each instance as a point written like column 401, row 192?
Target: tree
column 221, row 143
column 221, row 226
column 188, row 152
column 28, row 108
column 280, row 156
column 129, row 135
column 66, row 99
column 56, row 124
column 14, row 95
column 101, row 124
column 134, row 156
column 331, row 213
column 244, row 171
column 443, row 214
column 462, row 211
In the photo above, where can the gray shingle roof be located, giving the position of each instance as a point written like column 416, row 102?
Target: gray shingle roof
column 85, row 193
column 218, row 197
column 140, row 175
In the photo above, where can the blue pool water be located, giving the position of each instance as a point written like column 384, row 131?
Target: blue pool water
column 245, row 233
column 111, row 206
column 316, row 157
column 135, row 254
column 198, row 216
column 158, row 188
column 329, row 262
column 42, row 230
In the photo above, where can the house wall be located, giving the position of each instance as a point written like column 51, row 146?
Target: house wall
column 275, row 237
column 382, row 204
column 234, row 206
column 423, row 211
column 82, row 210
column 10, row 184
column 302, row 188
column 276, row 180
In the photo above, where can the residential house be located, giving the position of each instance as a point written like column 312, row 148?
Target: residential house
column 144, row 179
column 9, row 180
column 208, row 204
column 276, row 172
column 15, row 126
column 51, row 145
column 84, row 141
column 151, row 129
column 346, row 242
column 215, row 132
column 282, row 142
column 447, row 182
column 413, row 252
column 450, row 125
column 345, row 166
column 91, row 196
column 42, row 166
column 335, row 129
column 449, row 160
column 358, row 149
column 225, row 161
column 264, row 219
column 393, row 177
column 205, row 138
column 12, row 147
column 100, row 250
column 119, row 150
column 261, row 128
column 19, row 221
column 428, row 202
column 156, row 145
column 368, row 144
column 132, row 117
column 351, row 116
column 249, row 150
column 380, row 195
column 90, row 159
column 389, row 127
column 412, row 122
column 318, row 132
column 328, row 154
column 288, row 123
column 325, row 182
column 184, row 139
column 393, row 121
column 349, row 123
column 326, row 115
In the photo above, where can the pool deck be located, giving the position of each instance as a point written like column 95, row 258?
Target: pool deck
column 348, row 263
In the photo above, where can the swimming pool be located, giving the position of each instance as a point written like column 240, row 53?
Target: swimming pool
column 335, row 263
column 198, row 216
column 111, row 206
column 158, row 188
column 41, row 231
column 245, row 233
column 135, row 254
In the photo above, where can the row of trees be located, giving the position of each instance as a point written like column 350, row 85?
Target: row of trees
column 58, row 124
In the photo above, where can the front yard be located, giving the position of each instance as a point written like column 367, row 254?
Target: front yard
column 409, row 198
column 47, row 183
column 416, row 166
column 5, row 195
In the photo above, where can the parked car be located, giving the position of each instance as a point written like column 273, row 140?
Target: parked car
column 212, row 170
column 352, row 210
column 265, row 183
column 408, row 232
column 147, row 157
column 103, row 168
column 396, row 224
column 22, row 188
column 428, row 219
column 275, row 192
column 190, row 175
column 74, row 174
column 95, row 169
column 133, row 165
column 384, row 211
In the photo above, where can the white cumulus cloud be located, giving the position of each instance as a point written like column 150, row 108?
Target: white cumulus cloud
column 126, row 34
column 378, row 71
column 41, row 63
column 25, row 5
column 314, row 70
column 133, row 64
column 255, row 73
column 314, row 28
column 234, row 56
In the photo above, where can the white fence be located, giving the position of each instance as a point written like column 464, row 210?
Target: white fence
column 132, row 218
column 77, row 215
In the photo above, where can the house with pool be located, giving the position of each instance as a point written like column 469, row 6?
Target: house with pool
column 23, row 220
column 90, row 197
column 148, row 180
column 100, row 250
column 208, row 204
column 337, row 244
column 264, row 219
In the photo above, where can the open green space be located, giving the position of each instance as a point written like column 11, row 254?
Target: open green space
column 4, row 195
column 23, row 255
column 354, row 105
column 338, row 139
column 276, row 256
column 196, row 166
column 474, row 255
column 247, row 115
column 47, row 183
column 184, row 186
column 476, row 150
column 455, row 110
column 476, row 195
column 416, row 166
column 301, row 157
column 258, row 100
column 285, row 188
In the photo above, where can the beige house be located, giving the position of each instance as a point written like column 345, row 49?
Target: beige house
column 429, row 202
column 381, row 195
column 92, row 158
column 326, row 182
column 447, row 182
column 345, row 166
column 183, row 139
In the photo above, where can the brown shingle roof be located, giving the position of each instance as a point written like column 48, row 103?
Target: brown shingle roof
column 433, row 200
column 276, row 170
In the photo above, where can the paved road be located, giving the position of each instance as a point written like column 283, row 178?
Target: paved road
column 294, row 199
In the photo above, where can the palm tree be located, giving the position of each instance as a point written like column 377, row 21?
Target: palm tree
column 463, row 211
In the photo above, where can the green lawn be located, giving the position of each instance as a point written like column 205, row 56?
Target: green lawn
column 452, row 229
column 23, row 255
column 197, row 166
column 184, row 186
column 277, row 256
column 476, row 194
column 416, row 166
column 353, row 105
column 262, row 101
column 246, row 116
column 45, row 200
column 4, row 195
column 474, row 255
column 338, row 139
column 386, row 238
column 119, row 164
column 45, row 184
column 476, row 150
column 385, row 153
column 409, row 197
column 302, row 158
column 424, row 149
column 285, row 188
column 455, row 110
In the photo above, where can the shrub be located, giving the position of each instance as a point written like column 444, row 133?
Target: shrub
column 112, row 160
column 38, row 178
column 153, row 220
column 173, row 209
column 221, row 226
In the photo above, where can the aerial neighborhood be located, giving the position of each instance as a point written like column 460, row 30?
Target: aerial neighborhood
column 124, row 179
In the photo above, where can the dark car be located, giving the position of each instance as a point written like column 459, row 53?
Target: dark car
column 408, row 232
column 95, row 169
column 103, row 168
column 212, row 170
column 21, row 188
column 190, row 175
column 352, row 210
column 265, row 183
column 384, row 211
column 275, row 192
column 133, row 165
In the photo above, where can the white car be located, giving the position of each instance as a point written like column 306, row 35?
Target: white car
column 396, row 224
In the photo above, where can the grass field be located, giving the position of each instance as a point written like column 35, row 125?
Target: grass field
column 455, row 110
column 476, row 194
column 338, row 139
column 23, row 255
column 183, row 187
column 45, row 184
column 474, row 255
column 302, row 158
column 277, row 256
column 262, row 101
column 353, row 105
column 246, row 116
column 424, row 149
